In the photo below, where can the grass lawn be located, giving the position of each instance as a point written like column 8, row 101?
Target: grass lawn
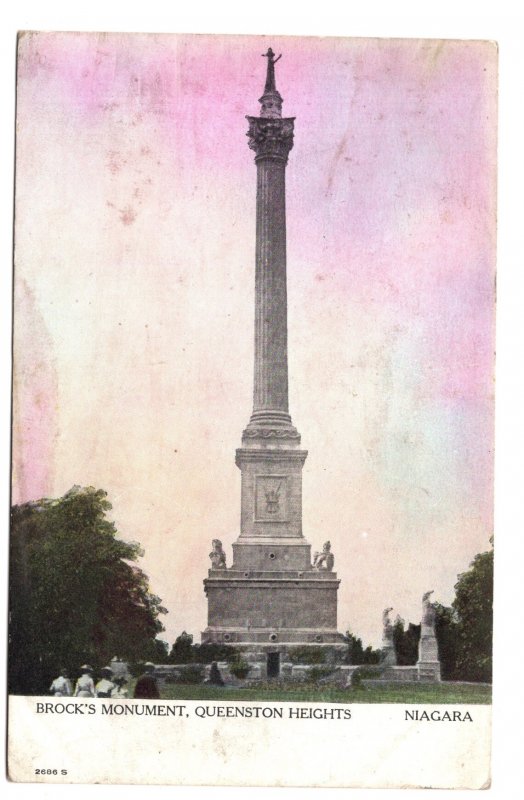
column 433, row 694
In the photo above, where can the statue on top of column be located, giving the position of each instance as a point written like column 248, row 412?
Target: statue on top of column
column 270, row 77
column 271, row 99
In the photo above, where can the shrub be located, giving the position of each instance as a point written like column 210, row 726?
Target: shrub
column 209, row 652
column 136, row 668
column 317, row 673
column 182, row 650
column 239, row 668
column 193, row 673
column 356, row 680
column 307, row 655
column 364, row 672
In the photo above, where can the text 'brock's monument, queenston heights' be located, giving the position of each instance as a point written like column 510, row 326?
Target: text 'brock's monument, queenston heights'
column 274, row 596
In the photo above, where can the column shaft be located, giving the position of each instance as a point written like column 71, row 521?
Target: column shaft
column 271, row 372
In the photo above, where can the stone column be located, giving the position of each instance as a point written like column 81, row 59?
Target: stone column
column 270, row 392
column 270, row 459
column 271, row 138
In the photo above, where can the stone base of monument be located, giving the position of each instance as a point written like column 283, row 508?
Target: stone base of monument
column 266, row 638
column 428, row 647
column 429, row 671
column 267, row 614
column 292, row 673
column 394, row 674
column 275, row 661
column 273, row 600
column 418, row 673
column 335, row 675
column 428, row 663
column 389, row 658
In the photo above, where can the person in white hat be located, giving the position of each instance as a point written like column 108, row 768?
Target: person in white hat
column 61, row 686
column 105, row 685
column 85, row 685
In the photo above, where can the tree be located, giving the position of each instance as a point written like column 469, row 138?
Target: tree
column 406, row 642
column 76, row 594
column 208, row 652
column 356, row 654
column 446, row 631
column 473, row 605
column 182, row 650
column 157, row 652
column 355, row 650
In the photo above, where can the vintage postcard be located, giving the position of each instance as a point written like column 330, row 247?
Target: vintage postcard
column 252, row 466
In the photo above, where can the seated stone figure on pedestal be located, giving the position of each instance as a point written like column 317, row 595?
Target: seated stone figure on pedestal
column 217, row 555
column 325, row 559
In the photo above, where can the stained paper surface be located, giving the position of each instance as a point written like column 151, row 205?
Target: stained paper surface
column 133, row 349
column 375, row 748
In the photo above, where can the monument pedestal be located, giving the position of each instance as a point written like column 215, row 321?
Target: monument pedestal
column 273, row 598
column 389, row 657
column 268, row 608
column 428, row 663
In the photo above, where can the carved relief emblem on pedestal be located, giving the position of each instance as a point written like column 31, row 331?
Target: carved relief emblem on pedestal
column 270, row 498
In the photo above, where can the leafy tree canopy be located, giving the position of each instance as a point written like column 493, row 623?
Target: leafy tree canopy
column 446, row 631
column 182, row 650
column 406, row 642
column 473, row 605
column 357, row 654
column 76, row 593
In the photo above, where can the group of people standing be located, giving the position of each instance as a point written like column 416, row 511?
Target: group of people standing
column 109, row 685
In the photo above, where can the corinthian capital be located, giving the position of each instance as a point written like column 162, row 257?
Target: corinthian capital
column 270, row 138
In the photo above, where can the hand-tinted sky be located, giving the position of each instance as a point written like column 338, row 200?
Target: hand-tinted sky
column 134, row 297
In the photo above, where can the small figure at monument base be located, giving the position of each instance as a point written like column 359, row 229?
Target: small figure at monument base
column 215, row 677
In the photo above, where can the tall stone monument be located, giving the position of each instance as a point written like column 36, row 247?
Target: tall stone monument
column 272, row 597
column 428, row 659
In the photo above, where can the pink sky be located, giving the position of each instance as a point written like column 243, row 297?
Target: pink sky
column 134, row 298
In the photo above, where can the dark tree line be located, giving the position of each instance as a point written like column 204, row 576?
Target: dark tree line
column 76, row 593
column 357, row 654
column 185, row 651
column 406, row 642
column 473, row 607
